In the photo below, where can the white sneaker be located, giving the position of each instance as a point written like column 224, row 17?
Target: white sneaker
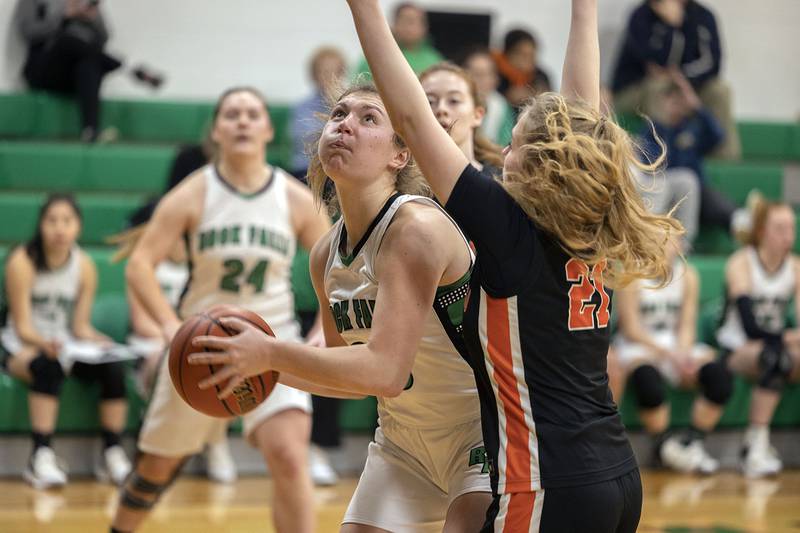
column 219, row 463
column 114, row 466
column 687, row 458
column 320, row 469
column 761, row 462
column 708, row 464
column 43, row 470
column 759, row 459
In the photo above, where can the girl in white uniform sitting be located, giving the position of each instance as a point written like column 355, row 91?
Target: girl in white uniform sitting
column 761, row 280
column 658, row 344
column 50, row 286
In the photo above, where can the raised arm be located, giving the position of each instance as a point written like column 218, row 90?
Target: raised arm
column 438, row 156
column 581, row 73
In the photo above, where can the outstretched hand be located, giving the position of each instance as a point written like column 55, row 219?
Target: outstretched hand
column 245, row 354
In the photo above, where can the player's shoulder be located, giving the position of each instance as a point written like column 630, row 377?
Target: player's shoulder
column 420, row 230
column 690, row 272
column 421, row 216
column 19, row 261
column 188, row 195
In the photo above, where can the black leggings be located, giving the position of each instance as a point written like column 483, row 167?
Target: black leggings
column 613, row 506
column 70, row 66
column 110, row 376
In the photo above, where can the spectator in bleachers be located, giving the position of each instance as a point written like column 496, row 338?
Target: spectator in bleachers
column 66, row 41
column 50, row 284
column 521, row 76
column 499, row 118
column 410, row 30
column 657, row 344
column 689, row 132
column 328, row 70
column 674, row 35
column 761, row 279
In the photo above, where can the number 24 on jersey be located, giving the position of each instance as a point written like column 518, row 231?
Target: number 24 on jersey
column 584, row 313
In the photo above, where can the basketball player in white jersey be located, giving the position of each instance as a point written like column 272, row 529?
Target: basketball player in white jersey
column 657, row 344
column 50, row 286
column 146, row 337
column 241, row 220
column 761, row 279
column 394, row 273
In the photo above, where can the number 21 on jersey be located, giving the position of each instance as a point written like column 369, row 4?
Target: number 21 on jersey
column 584, row 314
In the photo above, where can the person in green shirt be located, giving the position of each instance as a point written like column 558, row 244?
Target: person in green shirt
column 410, row 30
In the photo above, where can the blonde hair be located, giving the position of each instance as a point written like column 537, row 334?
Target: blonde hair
column 409, row 179
column 125, row 241
column 485, row 150
column 575, row 181
column 760, row 209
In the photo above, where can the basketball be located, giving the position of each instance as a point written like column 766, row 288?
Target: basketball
column 185, row 377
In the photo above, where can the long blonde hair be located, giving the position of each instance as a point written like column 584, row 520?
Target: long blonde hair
column 485, row 150
column 409, row 179
column 575, row 181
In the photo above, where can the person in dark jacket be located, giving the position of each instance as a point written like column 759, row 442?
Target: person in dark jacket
column 689, row 132
column 664, row 35
column 66, row 40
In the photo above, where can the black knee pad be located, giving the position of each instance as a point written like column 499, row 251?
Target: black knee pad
column 112, row 381
column 774, row 367
column 141, row 494
column 48, row 376
column 716, row 382
column 648, row 387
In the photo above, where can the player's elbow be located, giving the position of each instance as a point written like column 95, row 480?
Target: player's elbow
column 394, row 383
column 133, row 271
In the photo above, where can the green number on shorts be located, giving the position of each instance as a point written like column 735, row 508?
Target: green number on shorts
column 233, row 271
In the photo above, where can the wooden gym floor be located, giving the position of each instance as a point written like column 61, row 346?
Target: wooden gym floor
column 725, row 503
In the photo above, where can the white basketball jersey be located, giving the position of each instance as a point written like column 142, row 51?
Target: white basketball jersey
column 660, row 309
column 771, row 294
column 441, row 389
column 172, row 278
column 241, row 252
column 53, row 299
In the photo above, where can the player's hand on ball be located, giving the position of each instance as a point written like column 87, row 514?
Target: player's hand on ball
column 245, row 354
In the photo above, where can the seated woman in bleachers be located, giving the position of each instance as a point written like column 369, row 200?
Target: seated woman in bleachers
column 50, row 287
column 761, row 279
column 657, row 345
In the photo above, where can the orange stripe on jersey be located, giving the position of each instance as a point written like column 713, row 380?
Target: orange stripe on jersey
column 518, row 457
column 519, row 516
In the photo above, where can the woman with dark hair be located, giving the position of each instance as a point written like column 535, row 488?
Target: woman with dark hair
column 50, row 283
column 518, row 66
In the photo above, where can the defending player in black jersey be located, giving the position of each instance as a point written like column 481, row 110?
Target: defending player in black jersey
column 565, row 224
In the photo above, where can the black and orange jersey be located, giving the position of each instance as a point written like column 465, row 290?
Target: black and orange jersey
column 537, row 334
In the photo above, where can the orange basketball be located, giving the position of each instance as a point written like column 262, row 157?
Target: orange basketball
column 185, row 377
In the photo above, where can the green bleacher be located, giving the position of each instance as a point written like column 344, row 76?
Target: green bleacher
column 38, row 154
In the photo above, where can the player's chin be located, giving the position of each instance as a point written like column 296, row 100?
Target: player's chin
column 334, row 164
